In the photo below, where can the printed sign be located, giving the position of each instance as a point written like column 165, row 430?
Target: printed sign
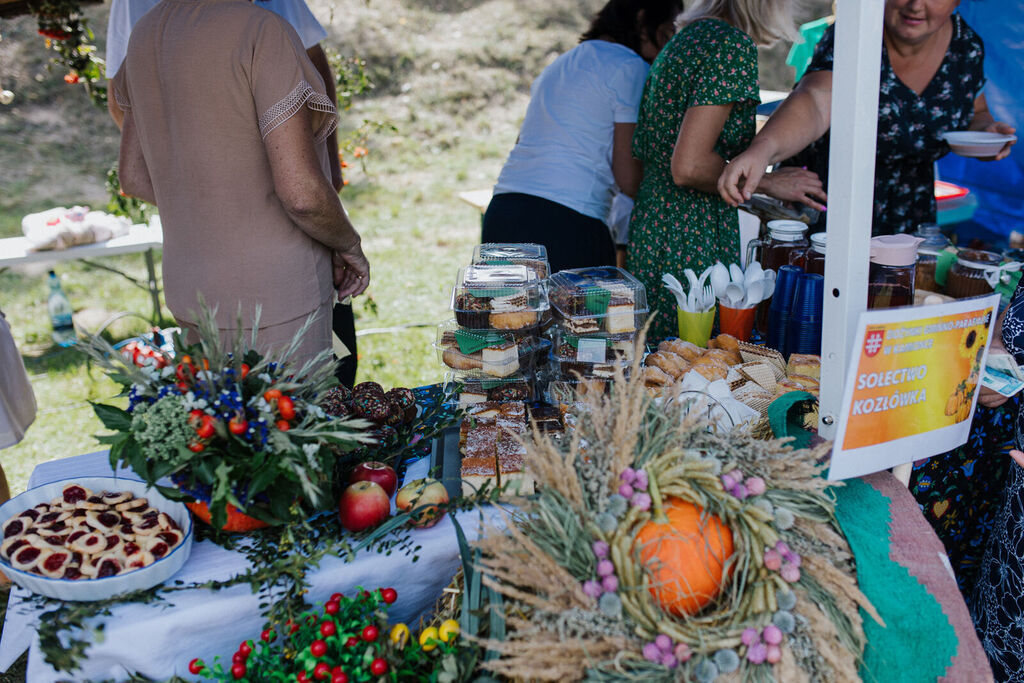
column 912, row 384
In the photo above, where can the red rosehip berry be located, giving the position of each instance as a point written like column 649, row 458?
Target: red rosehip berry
column 267, row 635
column 238, row 671
column 352, row 642
column 339, row 677
column 337, row 597
column 301, row 677
column 388, row 595
column 370, row 633
column 328, row 629
column 283, row 425
column 238, row 658
column 195, row 666
column 332, row 607
column 378, row 667
column 318, row 648
column 245, row 648
column 321, row 671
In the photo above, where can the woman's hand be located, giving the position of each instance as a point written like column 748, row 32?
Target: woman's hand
column 1002, row 129
column 792, row 184
column 351, row 271
column 742, row 176
column 1017, row 456
column 991, row 399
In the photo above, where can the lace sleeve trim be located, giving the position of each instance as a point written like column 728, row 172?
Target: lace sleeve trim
column 288, row 106
column 124, row 104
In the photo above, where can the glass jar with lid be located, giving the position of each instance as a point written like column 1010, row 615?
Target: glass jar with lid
column 815, row 259
column 933, row 242
column 969, row 276
column 786, row 245
column 891, row 272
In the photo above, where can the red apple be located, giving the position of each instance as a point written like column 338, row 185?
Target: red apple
column 378, row 473
column 423, row 497
column 363, row 505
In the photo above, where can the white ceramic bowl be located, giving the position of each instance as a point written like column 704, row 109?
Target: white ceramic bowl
column 84, row 590
column 976, row 143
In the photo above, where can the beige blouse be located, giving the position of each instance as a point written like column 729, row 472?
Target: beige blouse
column 205, row 81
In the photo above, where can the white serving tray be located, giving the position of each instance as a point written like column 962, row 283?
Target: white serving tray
column 85, row 590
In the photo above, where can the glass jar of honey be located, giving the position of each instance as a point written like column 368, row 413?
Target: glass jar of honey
column 969, row 275
column 933, row 241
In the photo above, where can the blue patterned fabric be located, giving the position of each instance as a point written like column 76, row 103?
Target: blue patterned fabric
column 997, row 603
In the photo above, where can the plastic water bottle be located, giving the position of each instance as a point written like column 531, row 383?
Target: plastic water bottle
column 60, row 313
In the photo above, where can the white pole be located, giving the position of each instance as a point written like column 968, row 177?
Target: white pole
column 858, row 54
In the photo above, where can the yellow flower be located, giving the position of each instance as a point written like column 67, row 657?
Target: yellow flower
column 971, row 340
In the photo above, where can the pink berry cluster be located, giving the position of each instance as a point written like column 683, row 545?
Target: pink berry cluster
column 662, row 651
column 735, row 484
column 634, row 488
column 764, row 645
column 783, row 560
column 606, row 581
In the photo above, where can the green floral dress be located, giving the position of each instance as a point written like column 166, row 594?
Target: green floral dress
column 707, row 63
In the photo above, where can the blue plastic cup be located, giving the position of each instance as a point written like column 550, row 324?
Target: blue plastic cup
column 803, row 336
column 807, row 300
column 778, row 326
column 785, row 287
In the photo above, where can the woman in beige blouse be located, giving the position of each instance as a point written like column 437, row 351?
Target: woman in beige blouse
column 224, row 116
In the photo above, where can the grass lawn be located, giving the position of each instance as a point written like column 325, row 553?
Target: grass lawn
column 451, row 84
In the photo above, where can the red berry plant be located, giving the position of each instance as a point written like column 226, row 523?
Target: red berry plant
column 347, row 640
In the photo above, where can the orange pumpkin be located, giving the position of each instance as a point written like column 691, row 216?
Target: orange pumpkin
column 684, row 557
column 237, row 521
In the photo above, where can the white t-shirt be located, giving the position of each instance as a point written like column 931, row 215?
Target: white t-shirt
column 125, row 13
column 564, row 151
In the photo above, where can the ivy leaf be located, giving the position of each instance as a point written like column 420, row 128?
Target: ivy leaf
column 113, row 417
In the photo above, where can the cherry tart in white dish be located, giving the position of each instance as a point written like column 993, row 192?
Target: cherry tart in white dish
column 86, row 535
column 109, row 532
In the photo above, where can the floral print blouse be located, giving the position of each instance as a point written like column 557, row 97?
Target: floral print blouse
column 909, row 128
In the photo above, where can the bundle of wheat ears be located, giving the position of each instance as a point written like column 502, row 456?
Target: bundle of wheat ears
column 658, row 549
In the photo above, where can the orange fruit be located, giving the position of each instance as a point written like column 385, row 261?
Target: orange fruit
column 684, row 559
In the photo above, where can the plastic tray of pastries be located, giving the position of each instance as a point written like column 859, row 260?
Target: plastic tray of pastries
column 533, row 256
column 467, row 390
column 598, row 300
column 502, row 297
column 489, row 353
column 88, row 588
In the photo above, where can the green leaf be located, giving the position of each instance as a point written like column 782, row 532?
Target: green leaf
column 113, row 417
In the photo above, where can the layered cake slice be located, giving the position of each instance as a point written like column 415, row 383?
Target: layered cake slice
column 501, row 360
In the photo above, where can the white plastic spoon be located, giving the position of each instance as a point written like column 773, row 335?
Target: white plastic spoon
column 755, row 292
column 753, row 272
column 719, row 278
column 736, row 273
column 734, row 294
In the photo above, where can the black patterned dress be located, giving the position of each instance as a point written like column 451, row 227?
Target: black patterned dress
column 997, row 603
column 909, row 129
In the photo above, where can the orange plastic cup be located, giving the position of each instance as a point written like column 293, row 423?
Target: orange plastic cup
column 739, row 322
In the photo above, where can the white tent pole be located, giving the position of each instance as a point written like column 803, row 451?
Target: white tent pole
column 858, row 54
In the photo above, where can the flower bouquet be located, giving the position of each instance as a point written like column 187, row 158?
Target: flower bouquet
column 236, row 430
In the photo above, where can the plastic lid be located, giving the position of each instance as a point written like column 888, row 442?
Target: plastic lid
column 818, row 241
column 494, row 251
column 488, row 353
column 787, row 230
column 934, row 240
column 499, row 289
column 976, row 258
column 894, row 250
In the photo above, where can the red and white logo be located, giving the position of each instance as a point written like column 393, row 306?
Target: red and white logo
column 873, row 342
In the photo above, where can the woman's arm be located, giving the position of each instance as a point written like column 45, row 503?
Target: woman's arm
column 627, row 171
column 319, row 58
column 983, row 120
column 695, row 163
column 801, row 119
column 310, row 201
column 131, row 163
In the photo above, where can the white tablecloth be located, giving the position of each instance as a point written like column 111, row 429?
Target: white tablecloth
column 160, row 640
